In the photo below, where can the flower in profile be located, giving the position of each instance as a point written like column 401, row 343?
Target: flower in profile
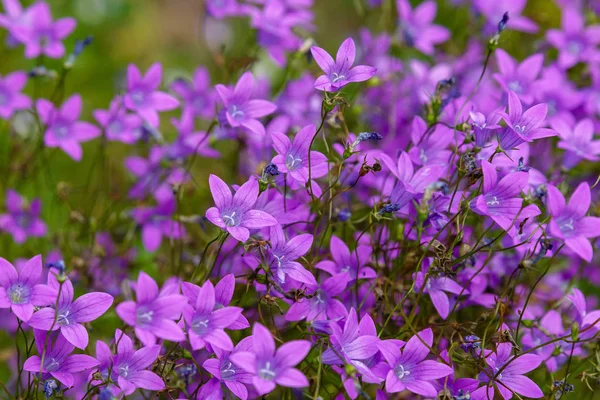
column 340, row 72
column 143, row 95
column 321, row 305
column 292, row 156
column 58, row 361
column 128, row 366
column 235, row 214
column 153, row 313
column 500, row 199
column 569, row 221
column 41, row 35
column 20, row 291
column 484, row 127
column 577, row 139
column 284, row 254
column 270, row 367
column 408, row 369
column 205, row 323
column 575, row 42
column 437, row 287
column 417, row 28
column 71, row 314
column 63, row 129
column 240, row 110
column 523, row 126
column 511, row 378
column 228, row 373
column 518, row 78
column 23, row 220
column 350, row 263
column 118, row 125
column 197, row 95
column 11, row 98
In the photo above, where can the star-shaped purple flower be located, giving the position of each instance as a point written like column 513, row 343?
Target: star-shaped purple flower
column 11, row 98
column 118, row 125
column 22, row 220
column 417, row 27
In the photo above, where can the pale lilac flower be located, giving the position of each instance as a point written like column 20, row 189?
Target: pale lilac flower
column 71, row 314
column 408, row 369
column 22, row 220
column 518, row 78
column 20, row 291
column 228, row 373
column 240, row 110
column 63, row 129
column 484, row 127
column 340, row 72
column 436, row 287
column 431, row 149
column 40, row 34
column 198, row 96
column 58, row 360
column 321, row 305
column 284, row 254
column 417, row 28
column 11, row 98
column 118, row 125
column 270, row 367
column 235, row 214
column 575, row 42
column 577, row 140
column 569, row 221
column 143, row 95
column 352, row 263
column 153, row 313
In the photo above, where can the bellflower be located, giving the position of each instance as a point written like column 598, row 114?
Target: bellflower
column 500, row 199
column 63, row 129
column 577, row 140
column 511, row 379
column 240, row 110
column 205, row 323
column 41, row 35
column 494, row 10
column 484, row 127
column 417, row 28
column 430, row 149
column 71, row 314
column 22, row 220
column 575, row 42
column 408, row 369
column 284, row 254
column 354, row 263
column 118, row 125
column 569, row 221
column 197, row 95
column 437, row 287
column 340, row 72
column 518, row 78
column 58, row 360
column 270, row 367
column 143, row 96
column 228, row 373
column 11, row 98
column 20, row 291
column 153, row 313
column 292, row 156
column 235, row 214
column 523, row 126
column 321, row 305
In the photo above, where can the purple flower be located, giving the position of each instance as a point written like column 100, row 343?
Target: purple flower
column 408, row 369
column 575, row 42
column 220, row 9
column 523, row 126
column 239, row 110
column 63, row 128
column 511, row 379
column 351, row 263
column 22, row 220
column 351, row 343
column 11, row 98
column 70, row 315
column 223, row 369
column 234, row 214
column 430, row 149
column 58, row 360
column 493, row 10
column 339, row 73
column 198, row 96
column 284, row 254
column 321, row 305
column 129, row 365
column 118, row 125
column 569, row 222
column 19, row 289
column 292, row 157
column 577, row 140
column 417, row 28
column 437, row 287
column 484, row 127
column 518, row 78
column 413, row 182
column 142, row 95
column 499, row 199
column 205, row 323
column 269, row 367
column 153, row 313
column 40, row 34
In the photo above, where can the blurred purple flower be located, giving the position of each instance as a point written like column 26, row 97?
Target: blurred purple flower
column 321, row 304
column 575, row 42
column 118, row 125
column 198, row 96
column 11, row 98
column 23, row 220
column 351, row 263
column 417, row 28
